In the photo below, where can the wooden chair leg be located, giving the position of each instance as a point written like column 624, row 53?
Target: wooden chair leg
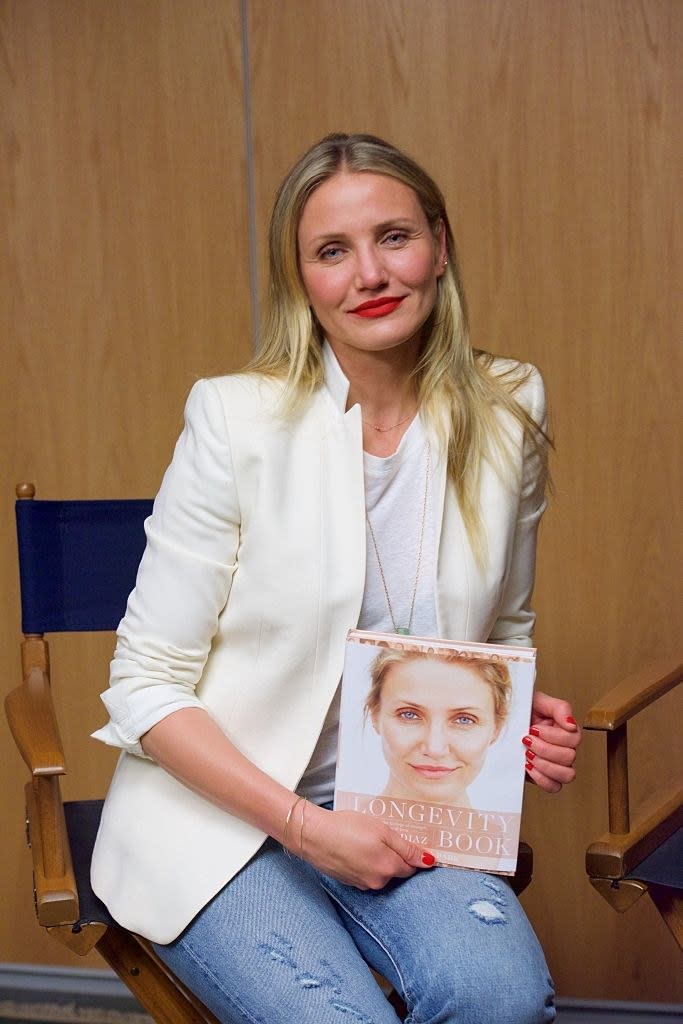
column 164, row 998
column 669, row 903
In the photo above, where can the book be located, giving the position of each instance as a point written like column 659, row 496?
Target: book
column 430, row 743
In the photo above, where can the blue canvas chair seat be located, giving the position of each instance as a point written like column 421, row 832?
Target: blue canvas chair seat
column 82, row 822
column 664, row 866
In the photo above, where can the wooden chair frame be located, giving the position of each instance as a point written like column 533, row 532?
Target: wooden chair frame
column 612, row 861
column 32, row 718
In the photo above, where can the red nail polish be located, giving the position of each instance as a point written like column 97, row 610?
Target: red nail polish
column 529, row 754
column 529, row 767
column 534, row 731
column 527, row 741
column 571, row 720
column 428, row 859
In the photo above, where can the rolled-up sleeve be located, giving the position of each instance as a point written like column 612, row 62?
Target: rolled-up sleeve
column 183, row 581
column 516, row 619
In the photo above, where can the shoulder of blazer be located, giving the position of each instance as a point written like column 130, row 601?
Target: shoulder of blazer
column 246, row 394
column 255, row 398
column 526, row 383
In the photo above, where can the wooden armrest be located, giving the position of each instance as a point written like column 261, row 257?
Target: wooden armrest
column 33, row 722
column 634, row 693
column 615, row 855
column 53, row 873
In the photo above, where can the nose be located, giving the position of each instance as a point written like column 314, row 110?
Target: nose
column 435, row 740
column 370, row 270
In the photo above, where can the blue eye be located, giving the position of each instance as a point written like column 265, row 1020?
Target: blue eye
column 408, row 715
column 395, row 237
column 330, row 252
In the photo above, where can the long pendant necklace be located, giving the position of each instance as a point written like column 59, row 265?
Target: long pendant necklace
column 405, row 630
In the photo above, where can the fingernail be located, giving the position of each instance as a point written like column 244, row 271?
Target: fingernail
column 428, row 859
column 571, row 720
column 529, row 754
column 527, row 741
column 534, row 731
column 529, row 767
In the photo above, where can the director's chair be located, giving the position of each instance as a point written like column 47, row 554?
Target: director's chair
column 77, row 565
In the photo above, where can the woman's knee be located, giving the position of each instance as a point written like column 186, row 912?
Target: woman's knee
column 457, row 946
column 484, row 997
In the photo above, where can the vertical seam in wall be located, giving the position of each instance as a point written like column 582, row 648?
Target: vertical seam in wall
column 251, row 198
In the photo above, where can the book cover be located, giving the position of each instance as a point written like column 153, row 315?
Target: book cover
column 430, row 743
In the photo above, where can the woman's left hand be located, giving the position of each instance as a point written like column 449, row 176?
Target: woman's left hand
column 551, row 743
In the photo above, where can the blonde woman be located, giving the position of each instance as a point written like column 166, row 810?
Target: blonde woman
column 369, row 469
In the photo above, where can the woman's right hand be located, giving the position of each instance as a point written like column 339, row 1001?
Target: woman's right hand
column 347, row 845
column 354, row 849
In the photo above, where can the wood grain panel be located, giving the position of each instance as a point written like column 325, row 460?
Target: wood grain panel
column 125, row 277
column 555, row 132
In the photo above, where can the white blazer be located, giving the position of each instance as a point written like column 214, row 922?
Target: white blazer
column 253, row 572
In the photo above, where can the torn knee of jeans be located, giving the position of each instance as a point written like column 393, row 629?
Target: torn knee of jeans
column 308, row 981
column 486, row 911
column 352, row 1012
column 332, row 977
column 496, row 891
column 280, row 951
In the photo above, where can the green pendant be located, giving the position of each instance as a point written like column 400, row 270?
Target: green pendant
column 403, row 631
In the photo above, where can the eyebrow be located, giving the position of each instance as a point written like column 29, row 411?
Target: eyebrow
column 422, row 707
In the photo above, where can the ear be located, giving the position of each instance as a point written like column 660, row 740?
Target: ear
column 440, row 249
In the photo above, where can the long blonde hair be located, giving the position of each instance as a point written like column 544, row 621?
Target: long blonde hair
column 450, row 375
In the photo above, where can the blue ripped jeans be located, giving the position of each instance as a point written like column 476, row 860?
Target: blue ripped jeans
column 282, row 944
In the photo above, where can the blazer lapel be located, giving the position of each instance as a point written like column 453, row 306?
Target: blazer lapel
column 343, row 502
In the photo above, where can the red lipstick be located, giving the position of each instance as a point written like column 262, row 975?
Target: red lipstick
column 378, row 307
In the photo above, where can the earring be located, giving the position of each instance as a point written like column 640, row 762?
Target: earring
column 445, row 262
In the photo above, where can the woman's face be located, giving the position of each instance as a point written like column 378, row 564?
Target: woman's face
column 436, row 720
column 369, row 262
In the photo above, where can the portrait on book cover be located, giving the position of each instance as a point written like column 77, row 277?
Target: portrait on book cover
column 430, row 741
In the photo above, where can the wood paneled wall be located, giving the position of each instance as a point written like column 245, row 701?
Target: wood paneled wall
column 553, row 128
column 125, row 261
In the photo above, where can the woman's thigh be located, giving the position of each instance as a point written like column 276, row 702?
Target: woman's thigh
column 456, row 944
column 271, row 948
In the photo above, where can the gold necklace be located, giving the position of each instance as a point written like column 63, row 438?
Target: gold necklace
column 385, row 430
column 404, row 630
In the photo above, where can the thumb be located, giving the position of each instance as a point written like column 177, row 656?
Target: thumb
column 411, row 853
column 558, row 711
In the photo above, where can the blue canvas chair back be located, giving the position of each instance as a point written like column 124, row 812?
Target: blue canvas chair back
column 77, row 561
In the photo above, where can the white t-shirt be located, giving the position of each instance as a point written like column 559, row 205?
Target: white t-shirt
column 394, row 501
